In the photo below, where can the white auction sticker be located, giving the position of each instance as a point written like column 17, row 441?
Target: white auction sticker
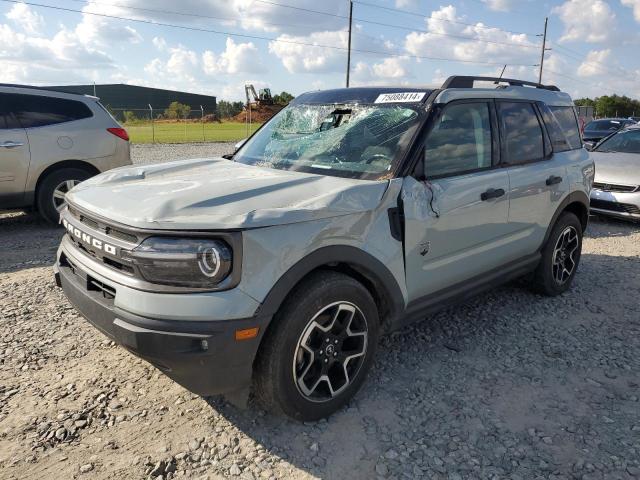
column 400, row 97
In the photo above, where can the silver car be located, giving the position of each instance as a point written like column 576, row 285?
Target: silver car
column 50, row 142
column 616, row 189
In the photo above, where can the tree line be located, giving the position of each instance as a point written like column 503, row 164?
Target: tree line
column 611, row 105
column 177, row 110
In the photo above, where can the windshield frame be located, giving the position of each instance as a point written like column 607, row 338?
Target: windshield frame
column 396, row 165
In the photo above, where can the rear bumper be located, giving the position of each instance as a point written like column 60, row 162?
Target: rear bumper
column 202, row 356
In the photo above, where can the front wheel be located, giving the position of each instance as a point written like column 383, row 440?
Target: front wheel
column 560, row 256
column 319, row 348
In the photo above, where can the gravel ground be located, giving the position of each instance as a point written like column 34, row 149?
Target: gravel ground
column 510, row 385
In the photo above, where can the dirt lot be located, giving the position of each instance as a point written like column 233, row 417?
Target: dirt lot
column 511, row 385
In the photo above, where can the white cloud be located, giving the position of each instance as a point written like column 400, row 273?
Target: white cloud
column 392, row 67
column 591, row 66
column 499, row 5
column 590, row 21
column 298, row 58
column 635, row 4
column 104, row 32
column 160, row 43
column 25, row 18
column 236, row 58
column 443, row 40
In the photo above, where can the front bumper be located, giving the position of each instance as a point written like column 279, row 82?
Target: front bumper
column 624, row 205
column 202, row 356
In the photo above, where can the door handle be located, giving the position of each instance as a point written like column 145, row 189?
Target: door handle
column 492, row 193
column 10, row 144
column 553, row 180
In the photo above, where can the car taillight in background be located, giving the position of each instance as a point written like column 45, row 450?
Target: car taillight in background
column 119, row 132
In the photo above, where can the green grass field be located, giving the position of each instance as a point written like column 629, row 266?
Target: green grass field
column 188, row 132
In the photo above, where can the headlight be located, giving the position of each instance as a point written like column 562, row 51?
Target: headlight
column 184, row 262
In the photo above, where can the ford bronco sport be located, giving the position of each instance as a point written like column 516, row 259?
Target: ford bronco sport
column 349, row 214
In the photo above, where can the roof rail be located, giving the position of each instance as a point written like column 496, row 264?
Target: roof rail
column 462, row 81
column 44, row 89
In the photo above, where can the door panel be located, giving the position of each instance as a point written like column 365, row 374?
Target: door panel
column 533, row 202
column 453, row 235
column 14, row 166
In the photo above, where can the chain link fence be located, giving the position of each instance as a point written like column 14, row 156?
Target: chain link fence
column 185, row 126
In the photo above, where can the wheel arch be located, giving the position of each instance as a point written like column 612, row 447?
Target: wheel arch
column 352, row 261
column 576, row 203
column 81, row 164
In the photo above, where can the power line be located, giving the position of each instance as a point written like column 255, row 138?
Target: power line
column 258, row 37
column 582, row 59
column 182, row 14
column 372, row 22
column 460, row 37
column 422, row 15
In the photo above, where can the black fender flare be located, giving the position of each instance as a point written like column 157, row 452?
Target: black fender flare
column 573, row 197
column 363, row 263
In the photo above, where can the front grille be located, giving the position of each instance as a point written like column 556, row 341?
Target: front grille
column 615, row 207
column 613, row 187
column 103, row 227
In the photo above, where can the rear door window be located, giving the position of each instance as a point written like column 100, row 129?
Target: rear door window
column 523, row 140
column 39, row 111
column 566, row 117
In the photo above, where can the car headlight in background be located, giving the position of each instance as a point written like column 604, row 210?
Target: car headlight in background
column 183, row 262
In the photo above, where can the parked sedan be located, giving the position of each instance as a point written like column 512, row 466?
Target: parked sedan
column 616, row 189
column 596, row 130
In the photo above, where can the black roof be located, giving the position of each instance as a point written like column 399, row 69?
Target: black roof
column 355, row 95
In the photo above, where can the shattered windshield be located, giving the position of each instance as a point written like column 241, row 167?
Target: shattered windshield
column 356, row 141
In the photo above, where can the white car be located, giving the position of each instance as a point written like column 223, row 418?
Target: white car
column 51, row 141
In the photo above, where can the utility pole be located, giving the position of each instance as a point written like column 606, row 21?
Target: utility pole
column 544, row 47
column 349, row 45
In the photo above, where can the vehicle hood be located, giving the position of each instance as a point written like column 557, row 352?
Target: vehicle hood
column 617, row 168
column 216, row 193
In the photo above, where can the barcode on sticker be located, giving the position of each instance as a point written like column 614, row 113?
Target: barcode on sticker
column 400, row 97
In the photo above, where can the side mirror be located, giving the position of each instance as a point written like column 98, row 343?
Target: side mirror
column 238, row 145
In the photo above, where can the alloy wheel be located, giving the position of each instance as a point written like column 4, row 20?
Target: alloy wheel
column 330, row 351
column 60, row 191
column 563, row 262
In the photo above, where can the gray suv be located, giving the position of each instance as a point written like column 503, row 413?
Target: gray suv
column 349, row 214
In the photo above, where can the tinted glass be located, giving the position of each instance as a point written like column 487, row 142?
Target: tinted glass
column 625, row 142
column 522, row 133
column 558, row 138
column 604, row 125
column 566, row 117
column 460, row 142
column 38, row 111
column 7, row 119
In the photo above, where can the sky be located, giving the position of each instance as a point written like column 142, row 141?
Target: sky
column 300, row 45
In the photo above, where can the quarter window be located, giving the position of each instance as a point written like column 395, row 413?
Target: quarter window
column 524, row 141
column 566, row 117
column 38, row 111
column 460, row 141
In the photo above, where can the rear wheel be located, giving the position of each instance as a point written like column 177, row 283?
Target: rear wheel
column 54, row 187
column 317, row 353
column 560, row 256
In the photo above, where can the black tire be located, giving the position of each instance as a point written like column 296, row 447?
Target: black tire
column 281, row 357
column 547, row 278
column 46, row 189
